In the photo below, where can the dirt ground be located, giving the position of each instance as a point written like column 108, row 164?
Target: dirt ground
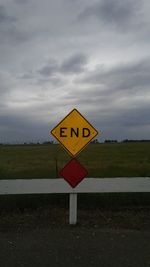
column 102, row 237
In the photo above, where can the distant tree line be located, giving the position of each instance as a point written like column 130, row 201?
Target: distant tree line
column 110, row 141
column 134, row 140
column 126, row 141
column 95, row 141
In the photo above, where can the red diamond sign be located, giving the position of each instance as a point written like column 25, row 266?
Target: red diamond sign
column 73, row 172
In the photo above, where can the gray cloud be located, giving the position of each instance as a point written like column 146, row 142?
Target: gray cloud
column 27, row 76
column 17, row 129
column 6, row 81
column 115, row 13
column 119, row 97
column 122, row 77
column 50, row 68
column 21, row 2
column 9, row 28
column 5, row 18
column 58, row 55
column 74, row 64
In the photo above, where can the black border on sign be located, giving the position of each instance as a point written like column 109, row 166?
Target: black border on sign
column 61, row 142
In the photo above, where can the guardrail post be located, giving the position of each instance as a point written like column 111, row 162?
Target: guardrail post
column 72, row 208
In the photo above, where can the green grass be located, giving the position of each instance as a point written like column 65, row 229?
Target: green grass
column 101, row 160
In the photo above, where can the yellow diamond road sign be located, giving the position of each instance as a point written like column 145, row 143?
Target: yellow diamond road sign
column 74, row 132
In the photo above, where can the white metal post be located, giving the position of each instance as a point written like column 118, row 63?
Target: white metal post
column 72, row 208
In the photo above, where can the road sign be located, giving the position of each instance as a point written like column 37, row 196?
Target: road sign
column 74, row 132
column 73, row 172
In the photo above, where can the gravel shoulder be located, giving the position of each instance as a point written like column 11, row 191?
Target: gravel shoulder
column 133, row 218
column 102, row 237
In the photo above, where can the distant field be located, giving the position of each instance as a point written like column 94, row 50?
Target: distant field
column 101, row 160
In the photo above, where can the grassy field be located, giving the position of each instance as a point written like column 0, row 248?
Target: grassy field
column 101, row 160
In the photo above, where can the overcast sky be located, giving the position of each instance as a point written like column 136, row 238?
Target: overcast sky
column 56, row 55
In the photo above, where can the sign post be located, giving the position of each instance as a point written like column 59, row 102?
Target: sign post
column 74, row 133
column 72, row 208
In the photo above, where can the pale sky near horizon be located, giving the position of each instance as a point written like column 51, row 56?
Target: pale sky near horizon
column 56, row 55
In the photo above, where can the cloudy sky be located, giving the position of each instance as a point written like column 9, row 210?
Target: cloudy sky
column 56, row 55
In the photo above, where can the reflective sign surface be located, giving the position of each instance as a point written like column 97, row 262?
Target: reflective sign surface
column 73, row 172
column 74, row 132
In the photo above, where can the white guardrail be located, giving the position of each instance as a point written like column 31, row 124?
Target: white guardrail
column 88, row 185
